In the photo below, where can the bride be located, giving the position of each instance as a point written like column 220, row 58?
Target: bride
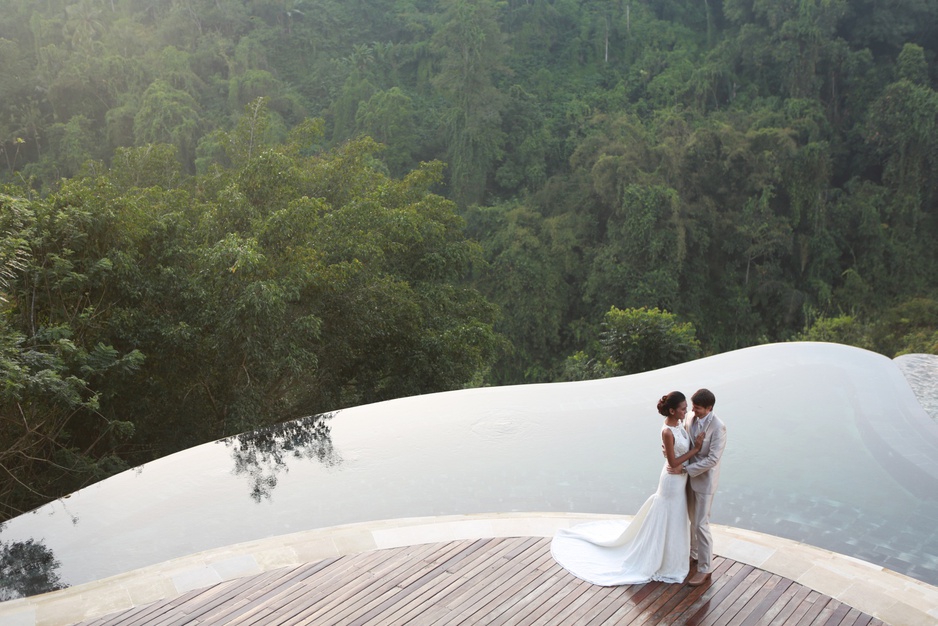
column 656, row 544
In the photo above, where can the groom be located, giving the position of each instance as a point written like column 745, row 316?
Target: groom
column 704, row 472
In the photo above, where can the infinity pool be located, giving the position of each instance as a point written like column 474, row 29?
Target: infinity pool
column 827, row 445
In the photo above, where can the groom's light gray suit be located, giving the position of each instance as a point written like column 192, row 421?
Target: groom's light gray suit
column 704, row 471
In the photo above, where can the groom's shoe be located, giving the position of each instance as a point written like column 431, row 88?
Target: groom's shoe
column 698, row 579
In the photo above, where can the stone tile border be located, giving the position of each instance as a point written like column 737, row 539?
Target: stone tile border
column 894, row 598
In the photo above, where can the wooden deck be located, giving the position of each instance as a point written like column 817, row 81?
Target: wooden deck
column 500, row 581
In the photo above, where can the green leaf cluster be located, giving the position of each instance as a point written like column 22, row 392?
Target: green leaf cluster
column 748, row 165
column 150, row 310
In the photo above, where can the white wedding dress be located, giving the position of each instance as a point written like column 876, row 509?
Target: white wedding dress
column 654, row 546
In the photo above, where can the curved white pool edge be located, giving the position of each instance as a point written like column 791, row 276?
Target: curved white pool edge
column 896, row 599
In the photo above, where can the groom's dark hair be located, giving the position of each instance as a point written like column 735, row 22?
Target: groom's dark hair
column 704, row 398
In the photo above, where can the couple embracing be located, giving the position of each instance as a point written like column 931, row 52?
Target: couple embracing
column 672, row 529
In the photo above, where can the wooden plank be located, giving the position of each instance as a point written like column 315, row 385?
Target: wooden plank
column 269, row 594
column 851, row 618
column 827, row 612
column 318, row 595
column 562, row 593
column 737, row 599
column 430, row 580
column 504, row 599
column 285, row 611
column 839, row 615
column 470, row 582
column 509, row 581
column 261, row 596
column 762, row 600
column 536, row 598
column 861, row 620
column 801, row 592
column 490, row 592
column 134, row 616
column 570, row 613
column 646, row 613
column 720, row 589
column 813, row 605
column 450, row 577
column 277, row 609
column 353, row 593
column 235, row 593
column 688, row 595
column 537, row 602
column 722, row 570
column 467, row 599
column 771, row 604
column 348, row 579
column 457, row 576
column 587, row 611
column 597, row 600
column 746, row 592
column 532, row 596
column 162, row 610
column 569, row 594
column 467, row 552
column 631, row 612
column 675, row 599
column 524, row 545
column 522, row 553
column 615, row 603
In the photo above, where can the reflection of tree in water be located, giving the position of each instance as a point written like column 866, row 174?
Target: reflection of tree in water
column 27, row 568
column 263, row 454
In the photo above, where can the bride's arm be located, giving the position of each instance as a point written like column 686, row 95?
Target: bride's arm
column 667, row 437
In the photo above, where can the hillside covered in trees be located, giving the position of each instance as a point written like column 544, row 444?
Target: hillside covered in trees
column 221, row 214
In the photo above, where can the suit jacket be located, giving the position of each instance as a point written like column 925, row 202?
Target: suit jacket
column 704, row 467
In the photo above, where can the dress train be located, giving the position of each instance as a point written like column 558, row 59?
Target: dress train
column 655, row 545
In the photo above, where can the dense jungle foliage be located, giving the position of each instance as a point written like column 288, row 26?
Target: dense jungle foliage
column 222, row 214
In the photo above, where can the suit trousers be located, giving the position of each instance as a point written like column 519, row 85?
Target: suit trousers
column 701, row 542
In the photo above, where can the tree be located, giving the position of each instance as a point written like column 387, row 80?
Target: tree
column 902, row 126
column 909, row 327
column 473, row 53
column 148, row 311
column 390, row 118
column 522, row 248
column 14, row 247
column 639, row 340
column 845, row 329
column 168, row 115
column 55, row 363
column 640, row 261
column 83, row 23
column 633, row 341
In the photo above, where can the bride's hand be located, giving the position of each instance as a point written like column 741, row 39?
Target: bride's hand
column 698, row 441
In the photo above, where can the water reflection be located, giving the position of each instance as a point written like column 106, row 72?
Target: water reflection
column 262, row 455
column 27, row 568
column 827, row 445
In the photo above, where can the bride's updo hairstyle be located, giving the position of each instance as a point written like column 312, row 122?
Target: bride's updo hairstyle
column 670, row 402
